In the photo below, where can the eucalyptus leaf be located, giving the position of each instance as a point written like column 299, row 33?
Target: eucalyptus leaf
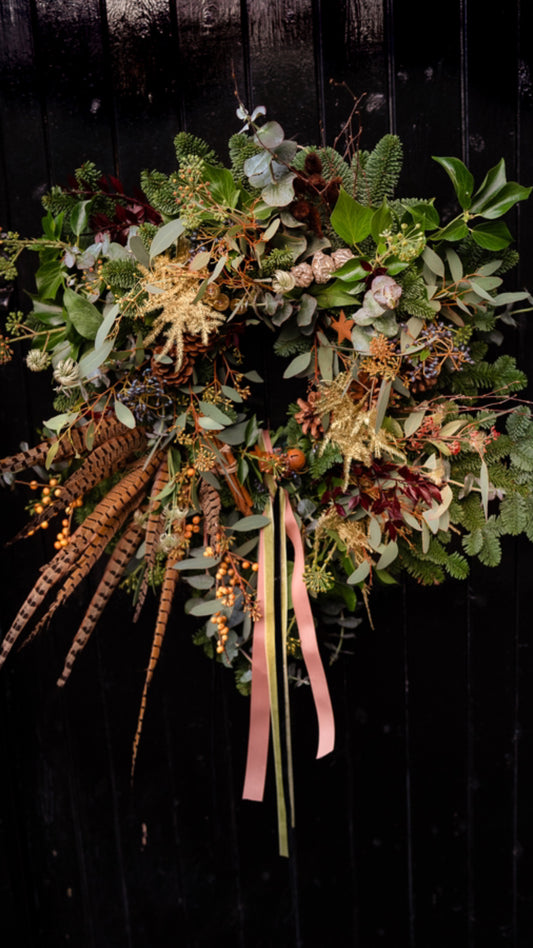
column 300, row 364
column 166, row 236
column 254, row 522
column 124, row 414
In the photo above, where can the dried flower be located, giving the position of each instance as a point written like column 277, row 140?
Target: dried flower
column 67, row 373
column 322, row 267
column 303, row 275
column 283, row 281
column 340, row 257
column 37, row 360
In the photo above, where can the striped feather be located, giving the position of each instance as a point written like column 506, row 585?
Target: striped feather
column 104, row 460
column 71, row 444
column 86, row 545
column 118, row 561
column 168, row 588
column 154, row 525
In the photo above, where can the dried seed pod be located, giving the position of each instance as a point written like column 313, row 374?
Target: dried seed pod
column 322, row 266
column 303, row 274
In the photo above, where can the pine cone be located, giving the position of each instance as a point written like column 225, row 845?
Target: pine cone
column 167, row 372
column 307, row 416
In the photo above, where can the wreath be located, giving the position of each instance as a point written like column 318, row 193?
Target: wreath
column 407, row 449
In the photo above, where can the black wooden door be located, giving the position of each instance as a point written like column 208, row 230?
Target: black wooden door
column 418, row 831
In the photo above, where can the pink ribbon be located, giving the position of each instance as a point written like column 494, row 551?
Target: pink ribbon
column 259, row 731
column 308, row 641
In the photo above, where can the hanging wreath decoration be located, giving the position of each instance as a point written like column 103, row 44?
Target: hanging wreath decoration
column 407, row 450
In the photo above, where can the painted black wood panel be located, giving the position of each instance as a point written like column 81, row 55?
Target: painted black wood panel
column 418, row 831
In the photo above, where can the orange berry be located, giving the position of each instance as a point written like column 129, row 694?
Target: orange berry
column 33, row 485
column 295, row 459
column 255, row 567
column 196, row 519
column 245, row 564
column 44, row 525
column 53, row 482
column 38, row 508
column 190, row 472
column 46, row 491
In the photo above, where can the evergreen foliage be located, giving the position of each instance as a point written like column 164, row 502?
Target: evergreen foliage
column 186, row 144
column 378, row 174
column 159, row 190
column 240, row 149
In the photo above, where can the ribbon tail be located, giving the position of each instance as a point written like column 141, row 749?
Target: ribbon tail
column 284, row 604
column 309, row 644
column 259, row 729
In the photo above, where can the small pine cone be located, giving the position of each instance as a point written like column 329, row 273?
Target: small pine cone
column 323, row 267
column 303, row 275
column 307, row 416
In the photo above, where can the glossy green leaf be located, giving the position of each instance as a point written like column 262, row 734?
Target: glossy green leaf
column 493, row 181
column 336, row 294
column 462, row 180
column 455, row 230
column 221, row 185
column 492, row 236
column 350, row 220
column 425, row 214
column 381, row 221
column 85, row 317
column 79, row 218
column 504, row 200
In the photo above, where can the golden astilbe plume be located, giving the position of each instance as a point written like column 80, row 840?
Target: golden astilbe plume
column 175, row 291
column 352, row 426
column 166, row 596
column 71, row 444
column 114, row 572
column 154, row 525
column 351, row 532
column 87, row 544
column 104, row 460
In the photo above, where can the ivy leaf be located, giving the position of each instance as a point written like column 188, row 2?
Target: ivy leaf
column 221, row 185
column 350, row 220
column 85, row 317
column 462, row 180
